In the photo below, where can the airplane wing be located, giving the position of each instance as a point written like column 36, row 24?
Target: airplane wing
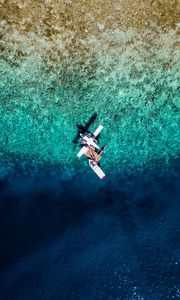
column 82, row 151
column 97, row 169
column 97, row 131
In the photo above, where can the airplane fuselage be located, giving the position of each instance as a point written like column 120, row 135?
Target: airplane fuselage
column 89, row 143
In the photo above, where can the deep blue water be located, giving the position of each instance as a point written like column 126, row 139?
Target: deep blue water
column 82, row 238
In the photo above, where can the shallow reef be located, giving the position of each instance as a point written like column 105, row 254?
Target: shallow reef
column 129, row 79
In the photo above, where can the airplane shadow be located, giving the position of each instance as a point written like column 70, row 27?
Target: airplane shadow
column 83, row 128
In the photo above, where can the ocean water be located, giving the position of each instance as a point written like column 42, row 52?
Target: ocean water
column 64, row 233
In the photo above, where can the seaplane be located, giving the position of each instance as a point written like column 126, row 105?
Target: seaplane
column 92, row 151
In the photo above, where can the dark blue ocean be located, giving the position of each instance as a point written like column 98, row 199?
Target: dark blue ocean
column 86, row 239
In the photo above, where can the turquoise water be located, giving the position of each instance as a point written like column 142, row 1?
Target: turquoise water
column 130, row 80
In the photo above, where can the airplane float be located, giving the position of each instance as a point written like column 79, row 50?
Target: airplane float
column 91, row 150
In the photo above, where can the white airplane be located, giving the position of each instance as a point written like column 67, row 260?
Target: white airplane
column 89, row 149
